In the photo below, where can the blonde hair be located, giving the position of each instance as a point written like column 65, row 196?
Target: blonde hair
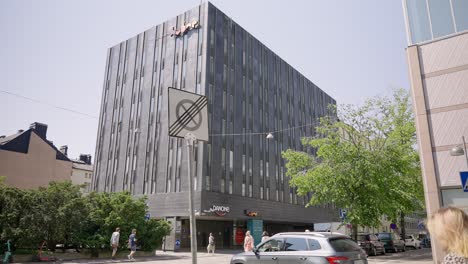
column 449, row 226
column 247, row 233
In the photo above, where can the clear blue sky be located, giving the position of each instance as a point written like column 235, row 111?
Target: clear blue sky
column 55, row 52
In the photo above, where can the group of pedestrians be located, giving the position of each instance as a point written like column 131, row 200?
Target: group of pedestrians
column 249, row 242
column 115, row 238
column 449, row 226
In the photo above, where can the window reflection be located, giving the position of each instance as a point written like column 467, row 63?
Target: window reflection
column 460, row 10
column 418, row 20
column 430, row 19
column 441, row 18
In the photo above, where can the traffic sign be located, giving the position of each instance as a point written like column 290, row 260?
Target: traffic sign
column 177, row 244
column 421, row 225
column 464, row 180
column 188, row 113
column 147, row 216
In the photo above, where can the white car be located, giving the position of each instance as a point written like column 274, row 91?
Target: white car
column 411, row 241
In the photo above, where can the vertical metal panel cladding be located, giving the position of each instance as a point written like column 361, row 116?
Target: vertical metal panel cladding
column 250, row 90
column 96, row 172
column 108, row 102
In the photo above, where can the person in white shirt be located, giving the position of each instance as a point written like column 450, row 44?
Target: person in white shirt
column 115, row 241
column 211, row 244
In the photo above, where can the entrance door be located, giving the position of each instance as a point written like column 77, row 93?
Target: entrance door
column 227, row 237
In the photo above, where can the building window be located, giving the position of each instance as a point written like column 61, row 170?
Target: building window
column 223, row 185
column 429, row 19
column 208, row 169
column 460, row 10
column 441, row 18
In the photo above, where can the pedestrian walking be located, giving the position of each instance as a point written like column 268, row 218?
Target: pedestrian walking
column 114, row 241
column 211, row 244
column 265, row 236
column 132, row 244
column 449, row 227
column 248, row 242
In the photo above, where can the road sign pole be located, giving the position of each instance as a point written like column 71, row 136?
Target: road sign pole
column 190, row 139
column 464, row 147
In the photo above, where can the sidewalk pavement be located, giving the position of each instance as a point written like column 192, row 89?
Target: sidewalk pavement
column 222, row 256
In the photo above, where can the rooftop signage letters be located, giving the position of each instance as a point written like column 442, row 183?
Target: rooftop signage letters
column 185, row 28
column 219, row 210
column 250, row 213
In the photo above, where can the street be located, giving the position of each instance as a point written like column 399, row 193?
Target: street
column 421, row 256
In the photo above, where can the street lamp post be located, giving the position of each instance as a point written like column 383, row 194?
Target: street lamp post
column 460, row 150
column 269, row 136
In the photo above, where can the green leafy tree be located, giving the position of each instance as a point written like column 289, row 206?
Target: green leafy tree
column 57, row 214
column 402, row 157
column 14, row 209
column 150, row 236
column 110, row 210
column 365, row 161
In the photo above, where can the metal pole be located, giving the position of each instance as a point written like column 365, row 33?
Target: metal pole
column 190, row 138
column 464, row 147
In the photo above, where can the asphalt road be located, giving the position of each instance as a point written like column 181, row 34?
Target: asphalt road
column 419, row 256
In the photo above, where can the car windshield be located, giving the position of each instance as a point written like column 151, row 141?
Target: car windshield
column 344, row 245
column 385, row 236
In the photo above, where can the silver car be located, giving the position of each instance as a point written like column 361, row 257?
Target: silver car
column 304, row 248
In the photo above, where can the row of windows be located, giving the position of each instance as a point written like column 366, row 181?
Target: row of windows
column 299, row 111
column 431, row 19
column 130, row 50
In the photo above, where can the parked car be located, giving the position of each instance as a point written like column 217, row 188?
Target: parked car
column 412, row 241
column 371, row 244
column 392, row 242
column 304, row 247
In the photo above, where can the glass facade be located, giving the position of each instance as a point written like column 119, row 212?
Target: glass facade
column 432, row 19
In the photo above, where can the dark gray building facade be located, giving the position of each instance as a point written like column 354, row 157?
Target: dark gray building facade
column 239, row 174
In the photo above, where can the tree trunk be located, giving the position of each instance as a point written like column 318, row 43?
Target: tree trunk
column 355, row 231
column 402, row 225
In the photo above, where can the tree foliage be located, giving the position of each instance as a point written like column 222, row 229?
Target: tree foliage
column 60, row 214
column 365, row 161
